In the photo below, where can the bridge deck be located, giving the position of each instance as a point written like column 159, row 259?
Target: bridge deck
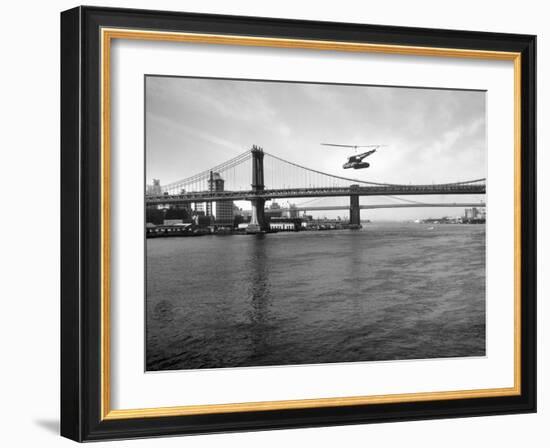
column 389, row 190
column 315, row 208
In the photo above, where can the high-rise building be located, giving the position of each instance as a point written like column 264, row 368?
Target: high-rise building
column 221, row 210
column 154, row 189
column 183, row 206
column 199, row 208
column 474, row 214
column 292, row 211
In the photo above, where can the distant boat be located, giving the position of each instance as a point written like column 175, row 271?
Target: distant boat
column 431, row 228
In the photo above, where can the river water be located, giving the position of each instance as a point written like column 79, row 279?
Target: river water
column 386, row 292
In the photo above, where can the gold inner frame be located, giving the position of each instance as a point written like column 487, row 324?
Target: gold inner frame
column 107, row 35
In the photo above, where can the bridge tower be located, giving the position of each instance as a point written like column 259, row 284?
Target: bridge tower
column 257, row 221
column 354, row 209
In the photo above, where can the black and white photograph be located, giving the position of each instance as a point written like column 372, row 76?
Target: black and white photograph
column 292, row 223
column 266, row 224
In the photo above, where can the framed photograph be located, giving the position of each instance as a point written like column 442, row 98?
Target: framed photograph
column 273, row 223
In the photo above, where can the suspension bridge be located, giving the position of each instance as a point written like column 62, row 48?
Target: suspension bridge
column 258, row 176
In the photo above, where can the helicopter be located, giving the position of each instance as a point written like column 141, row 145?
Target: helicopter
column 356, row 161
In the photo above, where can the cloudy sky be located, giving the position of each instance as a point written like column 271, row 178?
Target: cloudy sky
column 432, row 135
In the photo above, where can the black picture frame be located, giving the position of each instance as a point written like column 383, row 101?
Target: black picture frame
column 81, row 287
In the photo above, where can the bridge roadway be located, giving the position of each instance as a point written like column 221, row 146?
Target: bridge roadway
column 375, row 190
column 376, row 206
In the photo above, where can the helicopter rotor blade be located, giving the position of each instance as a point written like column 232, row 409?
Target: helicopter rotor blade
column 369, row 146
column 352, row 146
column 340, row 146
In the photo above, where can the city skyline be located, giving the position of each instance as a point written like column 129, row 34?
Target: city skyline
column 432, row 135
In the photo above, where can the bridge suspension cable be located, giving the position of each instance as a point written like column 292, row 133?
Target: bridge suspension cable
column 200, row 180
column 352, row 180
column 334, row 176
column 278, row 173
